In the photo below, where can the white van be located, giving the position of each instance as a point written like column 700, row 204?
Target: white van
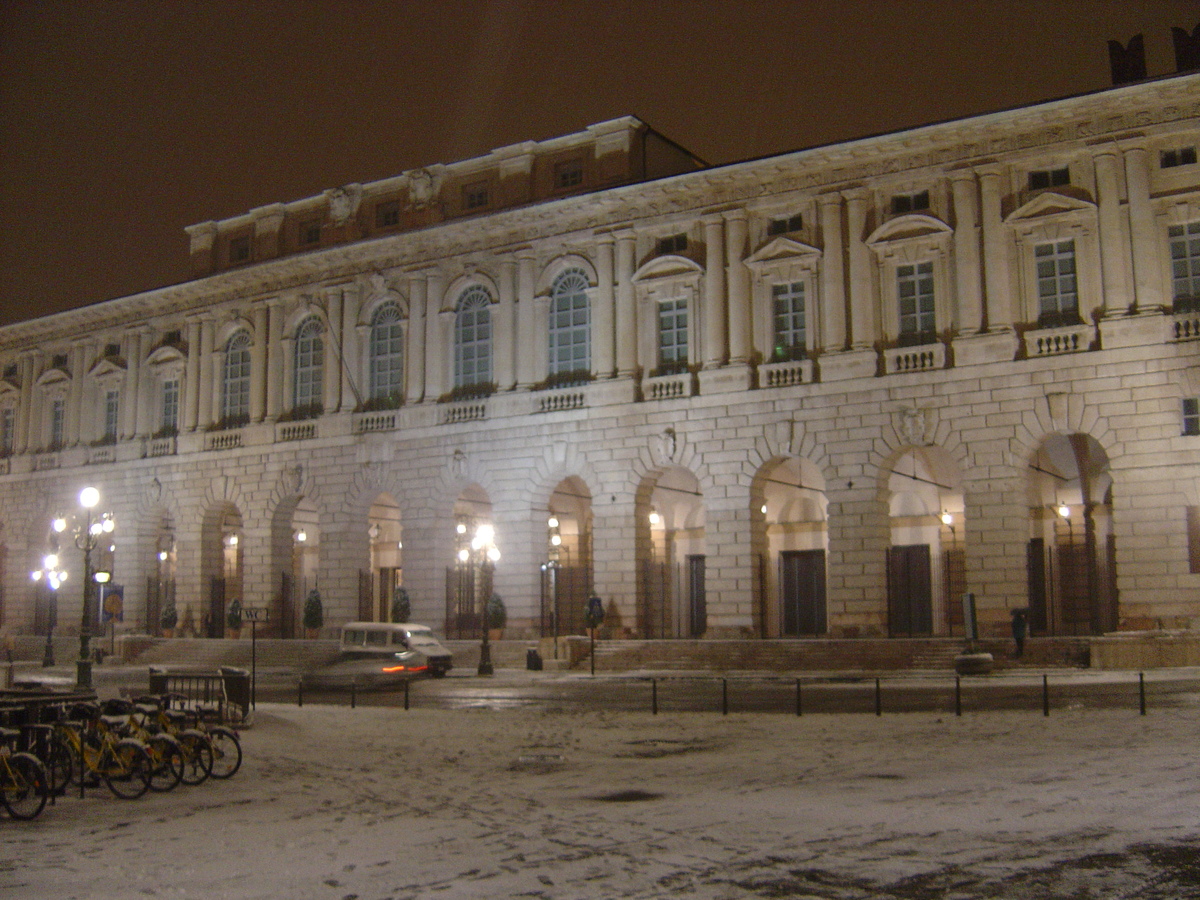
column 374, row 639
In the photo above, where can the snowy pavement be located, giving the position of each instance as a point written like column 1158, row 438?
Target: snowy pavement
column 370, row 803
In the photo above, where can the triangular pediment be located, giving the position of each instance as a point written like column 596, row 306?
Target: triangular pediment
column 667, row 267
column 52, row 377
column 782, row 249
column 908, row 227
column 1049, row 203
column 107, row 367
column 165, row 356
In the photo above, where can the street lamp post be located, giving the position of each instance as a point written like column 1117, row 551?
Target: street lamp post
column 484, row 553
column 53, row 577
column 88, row 535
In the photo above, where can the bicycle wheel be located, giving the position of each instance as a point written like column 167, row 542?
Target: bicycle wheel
column 227, row 752
column 26, row 786
column 167, row 757
column 128, row 769
column 197, row 756
column 60, row 765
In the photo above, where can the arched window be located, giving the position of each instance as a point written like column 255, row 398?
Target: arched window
column 235, row 381
column 309, row 363
column 387, row 354
column 473, row 338
column 570, row 324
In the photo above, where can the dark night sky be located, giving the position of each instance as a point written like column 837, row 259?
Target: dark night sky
column 122, row 121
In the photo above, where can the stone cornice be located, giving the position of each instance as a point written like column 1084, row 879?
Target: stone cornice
column 574, row 220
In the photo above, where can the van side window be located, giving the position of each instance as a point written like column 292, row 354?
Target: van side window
column 377, row 638
column 352, row 637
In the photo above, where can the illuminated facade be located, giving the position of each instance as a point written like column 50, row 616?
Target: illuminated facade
column 822, row 393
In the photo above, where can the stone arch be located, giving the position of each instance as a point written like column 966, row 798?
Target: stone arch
column 669, row 523
column 222, row 566
column 561, row 264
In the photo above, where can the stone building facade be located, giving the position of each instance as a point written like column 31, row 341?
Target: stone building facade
column 822, row 393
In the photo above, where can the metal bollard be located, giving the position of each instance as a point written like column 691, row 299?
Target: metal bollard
column 654, row 696
column 878, row 699
column 1142, row 692
column 406, row 694
column 1045, row 695
column 799, row 702
column 300, row 693
column 958, row 695
column 724, row 696
column 353, row 694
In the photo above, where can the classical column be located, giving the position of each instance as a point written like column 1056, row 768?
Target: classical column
column 1115, row 295
column 737, row 277
column 437, row 366
column 833, row 335
column 626, row 333
column 863, row 325
column 191, row 377
column 132, row 414
column 414, row 357
column 527, row 326
column 25, row 417
column 274, row 364
column 1148, row 287
column 210, row 387
column 258, row 365
column 506, row 348
column 713, row 314
column 603, row 348
column 352, row 348
column 331, row 362
column 995, row 252
column 80, row 354
column 968, row 286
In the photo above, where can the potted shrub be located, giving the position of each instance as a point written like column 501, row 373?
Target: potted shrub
column 401, row 608
column 314, row 613
column 233, row 619
column 168, row 620
column 497, row 617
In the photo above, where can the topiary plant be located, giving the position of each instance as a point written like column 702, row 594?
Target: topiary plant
column 401, row 608
column 497, row 615
column 314, row 612
column 233, row 618
column 169, row 617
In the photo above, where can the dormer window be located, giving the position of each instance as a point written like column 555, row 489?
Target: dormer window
column 785, row 225
column 1180, row 156
column 475, row 196
column 173, row 337
column 310, row 232
column 111, row 350
column 907, row 203
column 568, row 174
column 387, row 214
column 239, row 249
column 10, row 371
column 1047, row 178
column 676, row 243
column 59, row 361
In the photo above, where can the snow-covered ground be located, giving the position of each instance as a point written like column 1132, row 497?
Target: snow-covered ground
column 373, row 803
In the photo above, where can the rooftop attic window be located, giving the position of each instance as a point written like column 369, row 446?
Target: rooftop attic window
column 10, row 371
column 475, row 196
column 568, row 174
column 1045, row 178
column 239, row 249
column 784, row 226
column 906, row 203
column 59, row 361
column 173, row 337
column 112, row 349
column 310, row 232
column 1180, row 156
column 676, row 243
column 387, row 214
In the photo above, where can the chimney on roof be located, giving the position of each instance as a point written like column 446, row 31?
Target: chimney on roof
column 1128, row 62
column 1187, row 49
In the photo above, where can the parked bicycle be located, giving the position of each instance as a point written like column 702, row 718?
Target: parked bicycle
column 86, row 746
column 24, row 784
column 224, row 742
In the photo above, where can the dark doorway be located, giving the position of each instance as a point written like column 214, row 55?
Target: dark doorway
column 802, row 592
column 697, row 602
column 910, row 594
column 214, row 624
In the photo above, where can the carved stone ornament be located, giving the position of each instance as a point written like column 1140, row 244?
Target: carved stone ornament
column 343, row 203
column 458, row 465
column 913, row 425
column 421, row 187
column 663, row 447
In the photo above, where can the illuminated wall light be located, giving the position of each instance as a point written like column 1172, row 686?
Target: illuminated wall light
column 947, row 519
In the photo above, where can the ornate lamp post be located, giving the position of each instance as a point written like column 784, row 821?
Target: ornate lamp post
column 53, row 577
column 483, row 553
column 88, row 532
